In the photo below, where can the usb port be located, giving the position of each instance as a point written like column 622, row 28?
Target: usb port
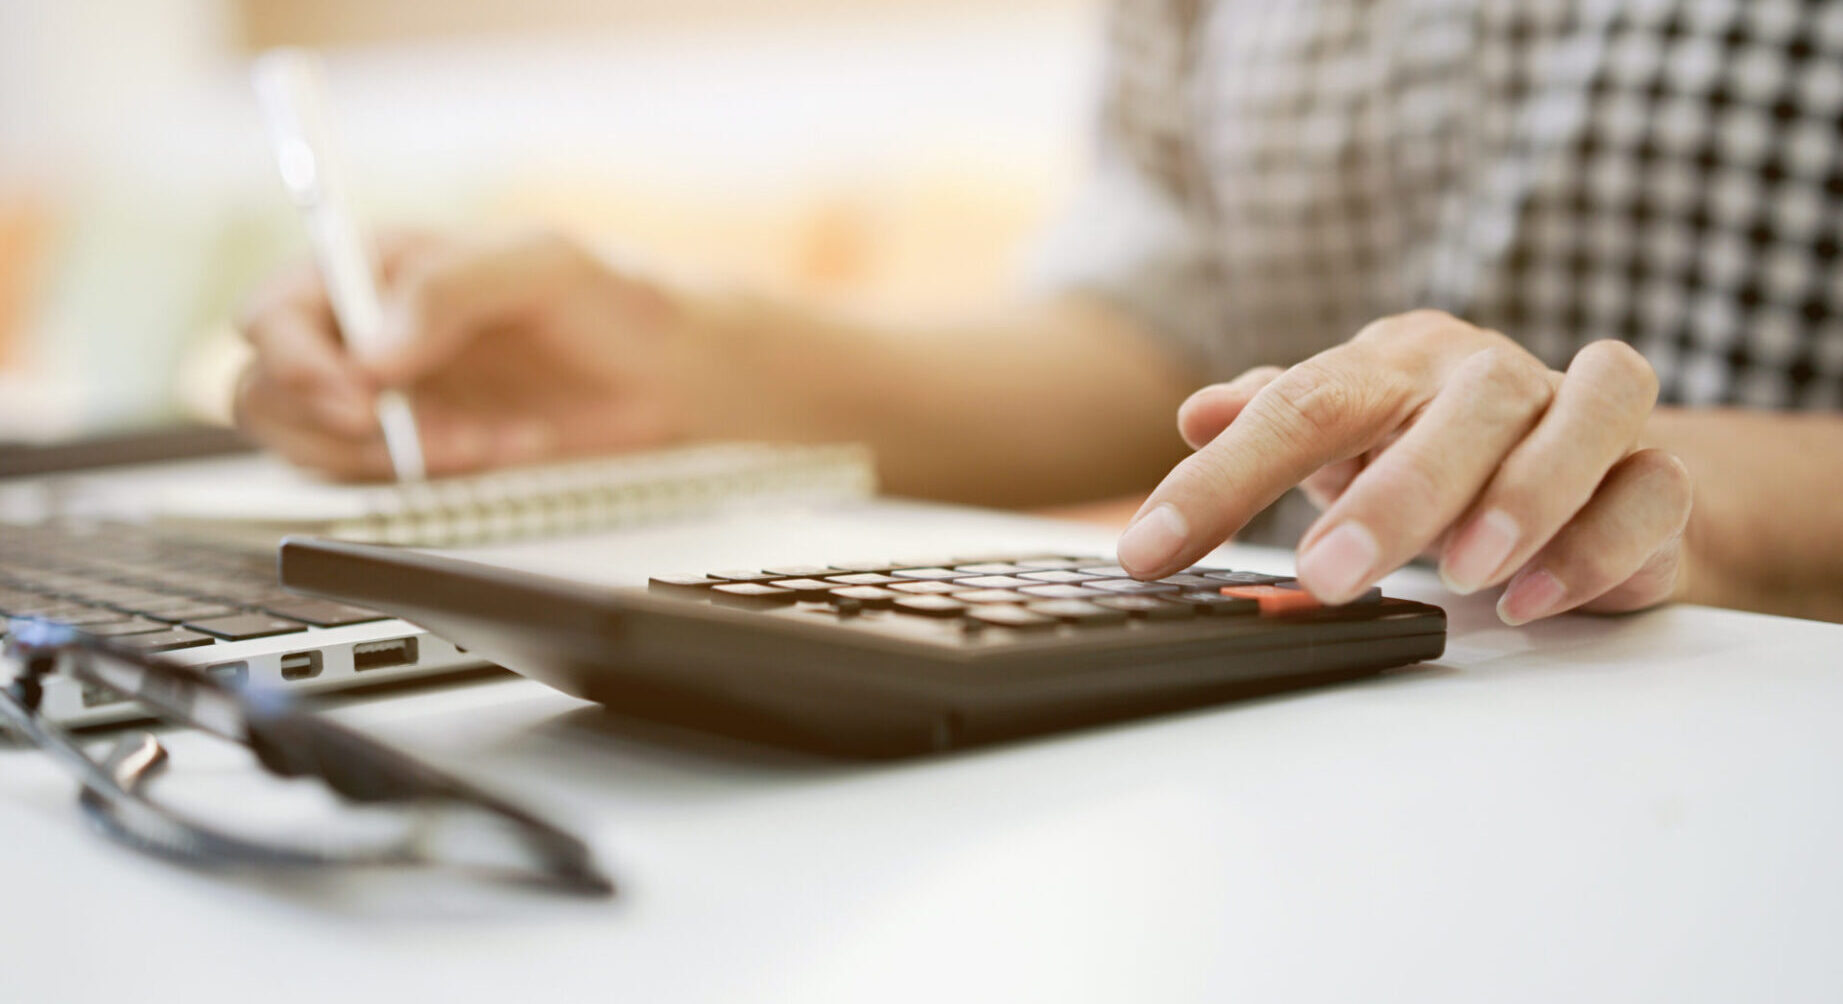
column 300, row 665
column 383, row 654
column 96, row 697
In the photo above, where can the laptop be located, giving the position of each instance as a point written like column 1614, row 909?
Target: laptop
column 76, row 546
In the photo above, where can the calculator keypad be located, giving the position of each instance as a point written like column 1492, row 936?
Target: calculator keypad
column 1029, row 594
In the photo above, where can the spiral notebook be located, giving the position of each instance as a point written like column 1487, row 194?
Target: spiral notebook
column 525, row 502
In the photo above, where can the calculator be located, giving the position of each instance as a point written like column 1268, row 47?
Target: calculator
column 887, row 658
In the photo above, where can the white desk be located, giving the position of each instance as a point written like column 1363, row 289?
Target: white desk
column 1648, row 808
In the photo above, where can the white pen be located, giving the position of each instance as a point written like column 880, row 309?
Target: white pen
column 290, row 88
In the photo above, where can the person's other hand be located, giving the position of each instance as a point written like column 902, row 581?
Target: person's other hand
column 1426, row 434
column 511, row 350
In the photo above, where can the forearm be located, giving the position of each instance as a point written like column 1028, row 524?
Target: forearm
column 1060, row 403
column 1766, row 532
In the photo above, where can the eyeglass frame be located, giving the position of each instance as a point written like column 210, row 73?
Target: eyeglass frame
column 287, row 741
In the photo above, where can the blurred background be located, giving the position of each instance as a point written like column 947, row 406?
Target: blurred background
column 895, row 159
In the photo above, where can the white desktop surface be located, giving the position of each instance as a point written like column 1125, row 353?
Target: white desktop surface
column 1643, row 808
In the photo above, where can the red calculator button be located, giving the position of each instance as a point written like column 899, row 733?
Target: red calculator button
column 1274, row 600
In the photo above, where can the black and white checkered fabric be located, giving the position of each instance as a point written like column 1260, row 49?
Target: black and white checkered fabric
column 1274, row 174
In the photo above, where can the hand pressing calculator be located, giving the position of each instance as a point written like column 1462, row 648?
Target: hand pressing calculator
column 888, row 658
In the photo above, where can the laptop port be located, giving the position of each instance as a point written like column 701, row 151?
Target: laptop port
column 383, row 654
column 300, row 665
column 233, row 673
column 96, row 697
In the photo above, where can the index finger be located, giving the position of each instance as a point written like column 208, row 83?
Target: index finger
column 1329, row 408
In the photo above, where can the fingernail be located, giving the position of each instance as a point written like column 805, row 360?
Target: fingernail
column 1480, row 550
column 1531, row 596
column 1153, row 540
column 1341, row 563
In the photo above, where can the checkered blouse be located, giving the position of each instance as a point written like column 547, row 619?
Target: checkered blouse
column 1274, row 174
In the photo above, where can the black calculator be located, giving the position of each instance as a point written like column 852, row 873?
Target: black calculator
column 887, row 658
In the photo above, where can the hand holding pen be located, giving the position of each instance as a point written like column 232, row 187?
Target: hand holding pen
column 521, row 347
column 291, row 90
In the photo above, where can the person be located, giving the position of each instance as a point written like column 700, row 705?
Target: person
column 1548, row 293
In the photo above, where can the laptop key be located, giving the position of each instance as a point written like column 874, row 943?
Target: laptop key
column 115, row 629
column 179, row 614
column 241, row 627
column 322, row 613
column 166, row 641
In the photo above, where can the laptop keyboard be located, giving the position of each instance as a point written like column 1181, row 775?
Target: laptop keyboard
column 153, row 592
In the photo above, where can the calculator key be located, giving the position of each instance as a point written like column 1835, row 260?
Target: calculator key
column 864, row 566
column 925, row 588
column 1131, row 587
column 806, row 589
column 801, row 571
column 1190, row 581
column 927, row 573
column 930, row 606
column 166, row 641
column 989, row 568
column 240, row 627
column 986, row 596
column 1371, row 595
column 1149, row 607
column 1276, row 600
column 1011, row 617
column 866, row 596
column 1061, row 576
column 696, row 583
column 862, row 579
column 745, row 575
column 1077, row 612
column 752, row 594
column 1247, row 578
column 1216, row 604
column 916, row 562
column 995, row 582
column 1052, row 564
column 1063, row 592
column 1108, row 571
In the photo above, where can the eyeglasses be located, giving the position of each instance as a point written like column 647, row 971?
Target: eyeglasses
column 444, row 820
